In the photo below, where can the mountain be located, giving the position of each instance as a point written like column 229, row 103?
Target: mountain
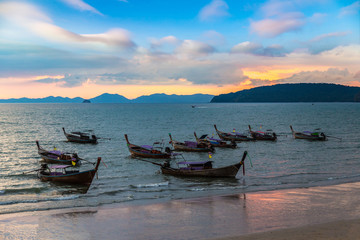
column 109, row 98
column 115, row 98
column 164, row 98
column 296, row 92
column 43, row 100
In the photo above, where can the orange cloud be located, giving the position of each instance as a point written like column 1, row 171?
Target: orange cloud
column 278, row 72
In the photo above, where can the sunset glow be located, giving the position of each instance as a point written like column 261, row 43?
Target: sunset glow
column 83, row 48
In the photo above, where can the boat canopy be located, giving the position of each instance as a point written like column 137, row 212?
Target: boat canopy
column 238, row 134
column 56, row 152
column 80, row 133
column 191, row 144
column 59, row 166
column 308, row 132
column 214, row 139
column 147, row 147
column 195, row 163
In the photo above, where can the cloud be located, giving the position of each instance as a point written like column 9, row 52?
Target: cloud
column 32, row 19
column 213, row 38
column 168, row 40
column 272, row 27
column 81, row 5
column 246, row 47
column 216, row 73
column 117, row 78
column 28, row 59
column 69, row 80
column 19, row 12
column 352, row 9
column 114, row 37
column 193, row 49
column 332, row 75
column 317, row 18
column 258, row 49
column 275, row 7
column 214, row 10
column 328, row 35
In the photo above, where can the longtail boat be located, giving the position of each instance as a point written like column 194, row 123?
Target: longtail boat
column 314, row 136
column 234, row 136
column 146, row 151
column 80, row 137
column 214, row 142
column 190, row 146
column 63, row 174
column 202, row 169
column 58, row 157
column 269, row 135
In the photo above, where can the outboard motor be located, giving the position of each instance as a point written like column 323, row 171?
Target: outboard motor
column 167, row 150
column 44, row 166
column 166, row 164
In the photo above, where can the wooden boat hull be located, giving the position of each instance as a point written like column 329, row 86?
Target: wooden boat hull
column 300, row 135
column 56, row 157
column 232, row 137
column 223, row 145
column 263, row 136
column 224, row 172
column 138, row 151
column 259, row 137
column 78, row 139
column 183, row 148
column 83, row 178
column 215, row 143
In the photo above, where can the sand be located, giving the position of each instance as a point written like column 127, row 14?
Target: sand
column 339, row 230
column 330, row 212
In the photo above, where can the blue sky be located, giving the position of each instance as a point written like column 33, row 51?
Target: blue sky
column 132, row 47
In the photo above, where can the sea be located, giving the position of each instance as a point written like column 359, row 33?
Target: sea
column 123, row 180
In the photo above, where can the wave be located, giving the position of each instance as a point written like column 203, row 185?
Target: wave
column 150, row 185
column 62, row 198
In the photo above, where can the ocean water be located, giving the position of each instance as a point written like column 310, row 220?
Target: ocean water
column 286, row 163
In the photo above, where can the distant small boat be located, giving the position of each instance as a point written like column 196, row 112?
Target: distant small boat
column 80, row 137
column 269, row 135
column 58, row 157
column 190, row 146
column 146, row 151
column 314, row 136
column 234, row 136
column 214, row 142
column 203, row 169
column 62, row 174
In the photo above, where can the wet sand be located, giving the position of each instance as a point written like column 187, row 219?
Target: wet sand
column 329, row 212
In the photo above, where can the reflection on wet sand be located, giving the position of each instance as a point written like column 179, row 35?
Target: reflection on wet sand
column 200, row 218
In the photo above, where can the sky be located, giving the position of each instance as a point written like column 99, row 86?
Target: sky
column 83, row 48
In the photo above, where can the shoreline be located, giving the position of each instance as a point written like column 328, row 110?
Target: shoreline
column 237, row 216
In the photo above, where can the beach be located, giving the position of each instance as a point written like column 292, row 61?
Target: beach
column 325, row 212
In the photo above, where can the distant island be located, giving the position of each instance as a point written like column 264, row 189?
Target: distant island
column 295, row 92
column 116, row 98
